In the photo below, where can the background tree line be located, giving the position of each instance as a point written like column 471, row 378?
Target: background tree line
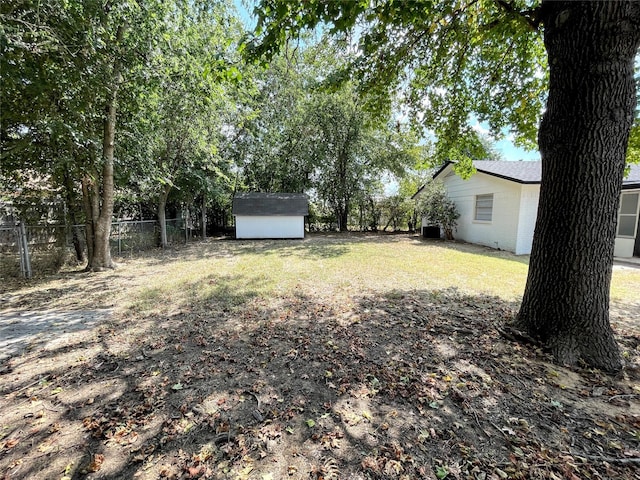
column 138, row 110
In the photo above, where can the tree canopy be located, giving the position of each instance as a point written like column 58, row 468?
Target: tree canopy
column 451, row 61
column 188, row 118
column 486, row 59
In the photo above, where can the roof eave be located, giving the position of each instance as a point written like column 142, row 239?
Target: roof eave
column 511, row 179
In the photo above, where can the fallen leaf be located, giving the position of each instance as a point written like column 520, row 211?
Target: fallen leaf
column 194, row 471
column 9, row 444
column 96, row 463
column 500, row 473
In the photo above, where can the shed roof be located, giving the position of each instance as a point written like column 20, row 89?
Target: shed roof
column 530, row 172
column 266, row 204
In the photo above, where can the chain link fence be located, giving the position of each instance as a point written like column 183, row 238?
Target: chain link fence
column 44, row 249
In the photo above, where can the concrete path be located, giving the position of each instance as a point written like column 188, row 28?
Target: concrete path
column 47, row 329
column 633, row 262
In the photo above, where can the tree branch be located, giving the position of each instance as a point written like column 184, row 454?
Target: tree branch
column 530, row 17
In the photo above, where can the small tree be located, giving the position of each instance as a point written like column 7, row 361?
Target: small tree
column 434, row 205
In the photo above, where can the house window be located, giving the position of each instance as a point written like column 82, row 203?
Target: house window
column 628, row 214
column 484, row 207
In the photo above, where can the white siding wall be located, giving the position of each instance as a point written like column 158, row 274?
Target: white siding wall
column 249, row 226
column 515, row 209
column 502, row 231
column 527, row 219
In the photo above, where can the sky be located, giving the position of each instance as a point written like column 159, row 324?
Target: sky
column 506, row 147
column 510, row 152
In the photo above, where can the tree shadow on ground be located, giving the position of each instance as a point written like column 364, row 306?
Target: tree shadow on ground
column 409, row 384
column 43, row 329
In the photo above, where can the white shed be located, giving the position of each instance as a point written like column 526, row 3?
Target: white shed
column 498, row 205
column 270, row 215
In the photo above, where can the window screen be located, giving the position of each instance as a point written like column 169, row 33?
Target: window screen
column 628, row 214
column 484, row 207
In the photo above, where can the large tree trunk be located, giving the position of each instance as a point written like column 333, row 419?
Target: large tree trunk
column 342, row 213
column 89, row 216
column 72, row 216
column 101, row 197
column 162, row 214
column 102, row 221
column 583, row 137
column 204, row 215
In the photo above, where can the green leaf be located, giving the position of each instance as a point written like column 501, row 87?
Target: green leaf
column 441, row 472
column 311, row 423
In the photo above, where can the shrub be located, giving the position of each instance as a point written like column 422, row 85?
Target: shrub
column 434, row 205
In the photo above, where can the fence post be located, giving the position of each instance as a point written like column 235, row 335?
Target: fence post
column 186, row 225
column 16, row 232
column 25, row 261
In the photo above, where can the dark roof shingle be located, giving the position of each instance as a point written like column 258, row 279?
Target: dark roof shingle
column 531, row 171
column 521, row 172
column 265, row 204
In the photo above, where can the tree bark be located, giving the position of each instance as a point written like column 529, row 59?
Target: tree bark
column 72, row 217
column 342, row 215
column 90, row 206
column 162, row 214
column 582, row 138
column 204, row 215
column 102, row 221
column 98, row 198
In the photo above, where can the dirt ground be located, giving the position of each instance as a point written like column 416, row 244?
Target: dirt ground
column 397, row 385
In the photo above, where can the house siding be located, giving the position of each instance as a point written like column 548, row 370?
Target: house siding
column 516, row 192
column 503, row 229
column 530, row 195
column 255, row 226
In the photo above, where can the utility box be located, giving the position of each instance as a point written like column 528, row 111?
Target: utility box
column 432, row 231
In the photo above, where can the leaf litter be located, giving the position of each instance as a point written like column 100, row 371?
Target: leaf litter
column 395, row 385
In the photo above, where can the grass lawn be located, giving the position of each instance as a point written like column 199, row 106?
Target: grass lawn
column 337, row 356
column 232, row 271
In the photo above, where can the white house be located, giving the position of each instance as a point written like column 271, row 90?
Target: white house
column 270, row 215
column 498, row 205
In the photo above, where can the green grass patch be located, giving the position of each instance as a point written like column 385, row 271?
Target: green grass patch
column 229, row 273
column 222, row 273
